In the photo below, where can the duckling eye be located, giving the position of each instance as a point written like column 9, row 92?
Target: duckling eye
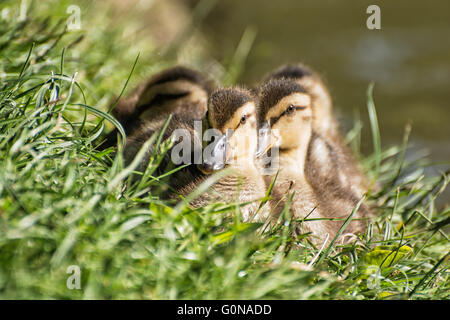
column 243, row 119
column 290, row 109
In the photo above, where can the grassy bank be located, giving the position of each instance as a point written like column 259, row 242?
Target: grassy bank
column 63, row 203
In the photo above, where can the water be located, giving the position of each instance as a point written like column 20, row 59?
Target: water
column 409, row 58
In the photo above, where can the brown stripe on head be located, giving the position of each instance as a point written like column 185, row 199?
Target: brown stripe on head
column 271, row 92
column 182, row 73
column 167, row 86
column 224, row 102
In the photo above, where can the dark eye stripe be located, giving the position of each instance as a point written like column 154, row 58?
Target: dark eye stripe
column 274, row 120
column 300, row 108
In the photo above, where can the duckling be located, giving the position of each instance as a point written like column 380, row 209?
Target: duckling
column 177, row 91
column 285, row 122
column 328, row 144
column 232, row 112
column 323, row 120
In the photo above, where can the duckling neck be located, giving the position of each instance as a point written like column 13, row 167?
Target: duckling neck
column 244, row 184
column 292, row 162
column 244, row 166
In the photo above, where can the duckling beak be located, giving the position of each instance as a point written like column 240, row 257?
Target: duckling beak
column 205, row 168
column 264, row 140
column 218, row 157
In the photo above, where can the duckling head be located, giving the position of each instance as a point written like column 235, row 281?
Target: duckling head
column 322, row 106
column 231, row 113
column 284, row 116
column 175, row 90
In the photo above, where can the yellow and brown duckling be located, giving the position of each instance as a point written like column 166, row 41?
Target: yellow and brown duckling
column 178, row 90
column 327, row 150
column 285, row 122
column 231, row 112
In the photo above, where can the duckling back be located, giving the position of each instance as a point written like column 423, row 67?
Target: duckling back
column 174, row 91
column 325, row 173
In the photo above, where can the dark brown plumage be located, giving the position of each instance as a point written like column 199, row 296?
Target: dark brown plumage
column 291, row 71
column 176, row 91
column 180, row 72
column 224, row 102
column 144, row 97
column 146, row 130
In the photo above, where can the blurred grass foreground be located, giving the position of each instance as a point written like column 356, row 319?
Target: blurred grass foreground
column 63, row 206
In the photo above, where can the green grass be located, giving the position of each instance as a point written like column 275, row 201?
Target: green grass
column 63, row 203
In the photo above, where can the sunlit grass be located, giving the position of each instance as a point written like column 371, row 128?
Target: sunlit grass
column 63, row 202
